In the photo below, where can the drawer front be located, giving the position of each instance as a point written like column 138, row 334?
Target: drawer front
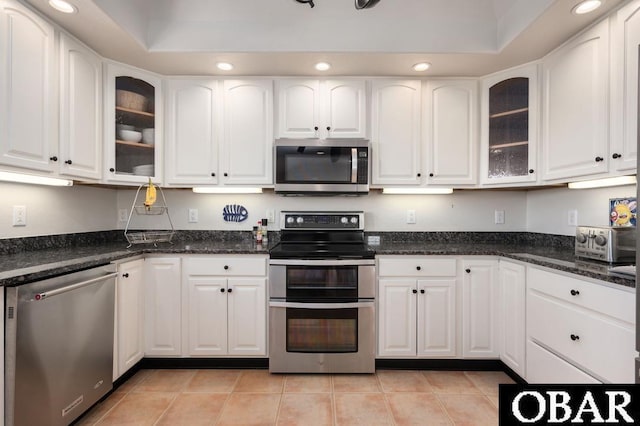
column 240, row 265
column 545, row 367
column 616, row 303
column 602, row 346
column 416, row 267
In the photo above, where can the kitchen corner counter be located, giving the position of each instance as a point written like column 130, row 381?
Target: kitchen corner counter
column 553, row 258
column 28, row 266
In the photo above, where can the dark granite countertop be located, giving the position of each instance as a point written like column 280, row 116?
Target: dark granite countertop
column 31, row 265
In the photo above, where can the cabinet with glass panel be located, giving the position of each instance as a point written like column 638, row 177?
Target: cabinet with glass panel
column 509, row 107
column 131, row 137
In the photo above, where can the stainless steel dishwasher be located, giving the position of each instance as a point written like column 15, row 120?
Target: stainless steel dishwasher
column 59, row 346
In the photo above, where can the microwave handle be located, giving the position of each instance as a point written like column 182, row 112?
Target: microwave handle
column 354, row 165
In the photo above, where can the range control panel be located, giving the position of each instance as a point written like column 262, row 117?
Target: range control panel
column 322, row 220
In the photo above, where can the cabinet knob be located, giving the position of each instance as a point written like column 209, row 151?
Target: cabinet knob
column 575, row 337
column 419, row 174
column 315, row 128
column 531, row 171
column 230, row 290
column 54, row 158
column 213, row 174
column 222, row 290
column 68, row 162
column 226, row 267
column 575, row 292
column 468, row 271
column 418, row 268
column 125, row 275
column 616, row 155
column 112, row 170
column 226, row 174
column 328, row 128
column 422, row 291
column 599, row 159
column 431, row 174
column 414, row 291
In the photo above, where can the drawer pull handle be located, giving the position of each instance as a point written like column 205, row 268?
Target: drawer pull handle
column 230, row 290
column 575, row 292
column 422, row 291
column 222, row 290
column 125, row 275
column 418, row 268
column 468, row 271
column 575, row 337
column 414, row 291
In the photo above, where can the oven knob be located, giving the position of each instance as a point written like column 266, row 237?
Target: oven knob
column 289, row 219
column 354, row 220
column 581, row 238
column 344, row 220
column 299, row 220
column 601, row 240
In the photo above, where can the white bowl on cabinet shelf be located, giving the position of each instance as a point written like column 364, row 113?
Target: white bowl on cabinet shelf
column 130, row 135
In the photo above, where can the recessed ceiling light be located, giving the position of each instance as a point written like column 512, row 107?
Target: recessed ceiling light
column 322, row 66
column 224, row 66
column 63, row 6
column 586, row 6
column 422, row 66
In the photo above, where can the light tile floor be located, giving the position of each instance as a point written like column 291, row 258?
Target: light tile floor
column 255, row 397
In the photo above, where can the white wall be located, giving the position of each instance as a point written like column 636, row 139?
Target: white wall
column 56, row 210
column 548, row 209
column 462, row 211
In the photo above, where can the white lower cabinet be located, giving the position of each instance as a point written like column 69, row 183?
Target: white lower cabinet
column 588, row 325
column 416, row 306
column 129, row 316
column 163, row 309
column 225, row 305
column 512, row 315
column 480, row 328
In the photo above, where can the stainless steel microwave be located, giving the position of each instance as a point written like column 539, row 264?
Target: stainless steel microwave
column 321, row 166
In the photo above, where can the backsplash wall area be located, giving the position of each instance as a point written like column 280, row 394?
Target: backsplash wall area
column 80, row 208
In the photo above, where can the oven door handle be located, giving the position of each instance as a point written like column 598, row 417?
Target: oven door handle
column 310, row 262
column 300, row 305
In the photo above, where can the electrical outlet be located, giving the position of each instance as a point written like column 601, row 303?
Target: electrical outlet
column 572, row 218
column 19, row 215
column 373, row 240
column 411, row 216
column 499, row 217
column 193, row 215
column 270, row 216
column 123, row 215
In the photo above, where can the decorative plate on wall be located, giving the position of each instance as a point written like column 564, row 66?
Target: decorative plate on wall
column 234, row 213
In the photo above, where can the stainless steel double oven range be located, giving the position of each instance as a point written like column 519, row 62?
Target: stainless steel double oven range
column 322, row 295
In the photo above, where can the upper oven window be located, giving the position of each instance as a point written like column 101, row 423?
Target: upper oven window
column 313, row 164
column 322, row 282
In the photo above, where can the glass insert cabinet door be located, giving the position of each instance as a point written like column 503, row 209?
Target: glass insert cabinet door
column 509, row 135
column 131, row 126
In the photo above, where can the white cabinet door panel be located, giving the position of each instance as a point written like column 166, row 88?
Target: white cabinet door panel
column 345, row 109
column 246, row 302
column 436, row 318
column 480, row 309
column 397, row 318
column 298, row 108
column 163, row 311
column 512, row 316
column 207, row 316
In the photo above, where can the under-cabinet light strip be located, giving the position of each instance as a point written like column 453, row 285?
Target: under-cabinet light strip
column 32, row 179
column 601, row 183
column 226, row 190
column 417, row 191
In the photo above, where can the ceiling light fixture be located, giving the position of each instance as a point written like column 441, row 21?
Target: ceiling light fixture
column 322, row 66
column 63, row 6
column 225, row 190
column 417, row 191
column 421, row 66
column 601, row 183
column 310, row 2
column 366, row 4
column 586, row 6
column 35, row 180
column 224, row 66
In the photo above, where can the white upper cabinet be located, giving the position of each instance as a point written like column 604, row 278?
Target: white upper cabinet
column 193, row 130
column 451, row 127
column 28, row 112
column 624, row 88
column 509, row 123
column 321, row 109
column 133, row 125
column 247, row 144
column 80, row 111
column 395, row 132
column 575, row 126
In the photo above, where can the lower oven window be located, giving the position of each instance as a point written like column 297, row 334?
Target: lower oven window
column 322, row 330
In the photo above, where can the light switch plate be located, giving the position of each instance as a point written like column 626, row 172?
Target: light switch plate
column 123, row 215
column 19, row 215
column 193, row 215
column 411, row 216
column 572, row 218
column 499, row 217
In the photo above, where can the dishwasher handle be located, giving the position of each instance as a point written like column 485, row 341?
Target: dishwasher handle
column 55, row 292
